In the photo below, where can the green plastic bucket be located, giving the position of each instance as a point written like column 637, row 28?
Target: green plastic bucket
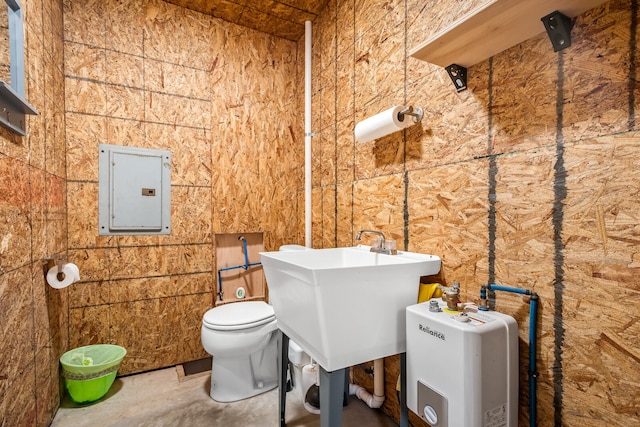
column 89, row 371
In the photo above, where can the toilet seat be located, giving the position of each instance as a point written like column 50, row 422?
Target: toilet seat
column 239, row 315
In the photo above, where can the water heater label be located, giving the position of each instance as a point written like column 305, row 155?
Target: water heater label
column 496, row 417
column 480, row 318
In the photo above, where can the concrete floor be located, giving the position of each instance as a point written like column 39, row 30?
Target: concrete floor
column 167, row 398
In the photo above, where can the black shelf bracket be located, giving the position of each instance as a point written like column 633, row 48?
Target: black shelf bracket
column 458, row 75
column 558, row 26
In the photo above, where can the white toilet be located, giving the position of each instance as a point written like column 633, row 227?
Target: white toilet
column 242, row 337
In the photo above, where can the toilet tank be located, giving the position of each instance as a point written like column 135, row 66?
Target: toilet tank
column 462, row 370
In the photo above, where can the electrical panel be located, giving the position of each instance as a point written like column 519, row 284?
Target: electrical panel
column 134, row 190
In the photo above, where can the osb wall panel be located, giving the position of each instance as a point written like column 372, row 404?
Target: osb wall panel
column 328, row 153
column 344, row 215
column 256, row 139
column 329, row 217
column 190, row 211
column 33, row 227
column 345, row 150
column 369, row 14
column 379, row 68
column 260, row 179
column 345, row 91
column 317, row 223
column 45, row 198
column 15, row 212
column 602, row 252
column 327, row 97
column 525, row 179
column 384, row 214
column 525, row 254
column 325, row 34
column 604, row 33
column 452, row 118
column 130, row 70
column 220, row 97
column 5, row 69
column 18, row 327
column 166, row 77
column 524, row 243
column 531, row 98
column 152, row 345
column 449, row 218
column 345, row 19
column 162, row 21
column 192, row 165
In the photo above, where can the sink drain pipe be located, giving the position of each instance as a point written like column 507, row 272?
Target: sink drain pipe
column 376, row 399
column 533, row 314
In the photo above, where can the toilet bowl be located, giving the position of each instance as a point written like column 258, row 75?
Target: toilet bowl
column 242, row 337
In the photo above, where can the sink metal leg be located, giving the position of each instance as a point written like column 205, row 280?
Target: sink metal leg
column 331, row 397
column 345, row 399
column 283, row 351
column 404, row 412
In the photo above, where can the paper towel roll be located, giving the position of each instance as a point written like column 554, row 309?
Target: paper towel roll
column 381, row 124
column 71, row 274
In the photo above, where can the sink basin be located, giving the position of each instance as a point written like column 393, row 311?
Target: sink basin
column 345, row 306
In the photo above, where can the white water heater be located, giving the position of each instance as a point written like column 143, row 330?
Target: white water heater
column 462, row 369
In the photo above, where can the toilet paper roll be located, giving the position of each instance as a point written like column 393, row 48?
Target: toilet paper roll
column 240, row 293
column 381, row 124
column 69, row 273
column 76, row 271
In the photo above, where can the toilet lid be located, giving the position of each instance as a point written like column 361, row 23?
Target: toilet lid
column 238, row 315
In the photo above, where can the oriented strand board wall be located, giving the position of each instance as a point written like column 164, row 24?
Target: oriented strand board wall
column 528, row 179
column 33, row 226
column 220, row 97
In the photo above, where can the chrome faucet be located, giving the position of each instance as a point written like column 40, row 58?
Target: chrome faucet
column 381, row 249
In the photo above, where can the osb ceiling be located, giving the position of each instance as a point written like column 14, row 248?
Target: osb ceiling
column 282, row 18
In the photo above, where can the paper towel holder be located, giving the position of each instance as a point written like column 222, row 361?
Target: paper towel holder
column 416, row 113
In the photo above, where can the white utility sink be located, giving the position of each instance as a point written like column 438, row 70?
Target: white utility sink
column 345, row 306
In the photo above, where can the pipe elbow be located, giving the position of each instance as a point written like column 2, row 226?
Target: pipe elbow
column 375, row 401
column 372, row 400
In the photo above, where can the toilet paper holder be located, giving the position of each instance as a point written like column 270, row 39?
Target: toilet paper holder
column 59, row 260
column 416, row 113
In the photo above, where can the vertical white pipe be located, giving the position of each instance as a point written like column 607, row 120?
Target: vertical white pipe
column 307, row 133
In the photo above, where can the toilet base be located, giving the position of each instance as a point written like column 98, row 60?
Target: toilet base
column 237, row 378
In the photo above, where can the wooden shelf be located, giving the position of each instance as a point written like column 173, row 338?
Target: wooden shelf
column 492, row 28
